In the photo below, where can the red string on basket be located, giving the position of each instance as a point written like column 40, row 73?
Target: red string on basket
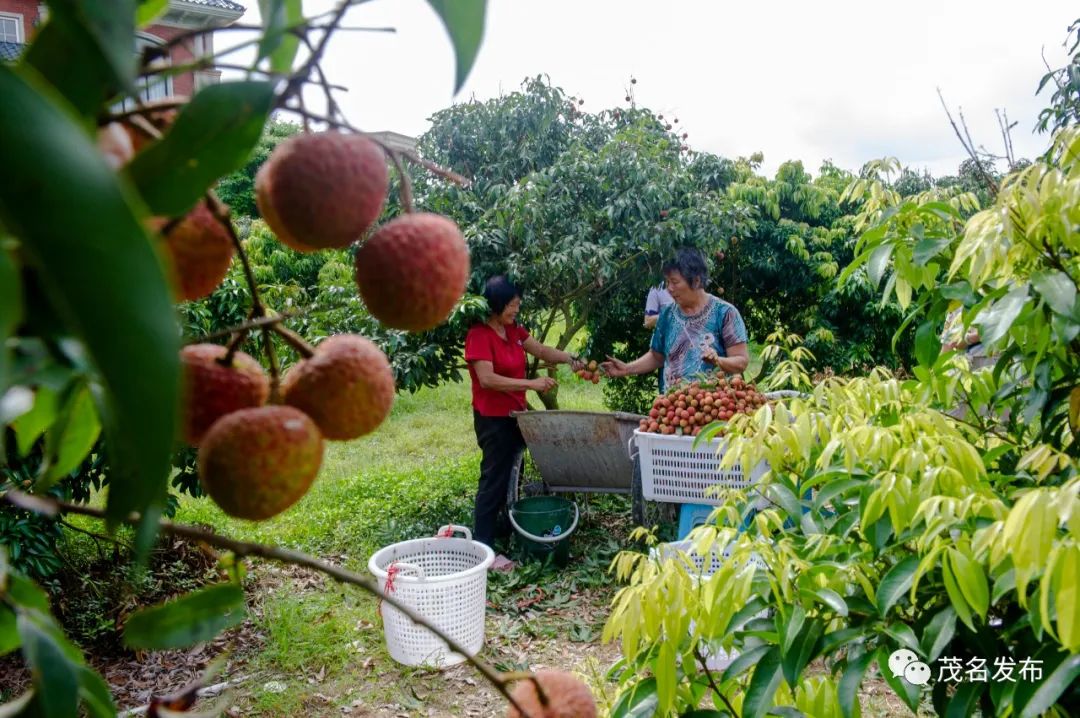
column 391, row 572
column 446, row 532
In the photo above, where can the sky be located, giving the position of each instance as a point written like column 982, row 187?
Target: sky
column 837, row 80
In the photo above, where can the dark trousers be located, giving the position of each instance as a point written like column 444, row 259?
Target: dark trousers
column 502, row 448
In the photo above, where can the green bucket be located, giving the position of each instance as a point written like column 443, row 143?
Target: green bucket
column 544, row 525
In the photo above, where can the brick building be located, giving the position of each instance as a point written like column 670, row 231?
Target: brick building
column 20, row 18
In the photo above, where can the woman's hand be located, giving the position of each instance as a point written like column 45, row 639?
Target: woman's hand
column 577, row 363
column 542, row 383
column 615, row 368
column 709, row 354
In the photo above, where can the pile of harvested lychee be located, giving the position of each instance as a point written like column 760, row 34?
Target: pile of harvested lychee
column 590, row 372
column 260, row 447
column 686, row 410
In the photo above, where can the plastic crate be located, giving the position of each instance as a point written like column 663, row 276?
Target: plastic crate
column 672, row 470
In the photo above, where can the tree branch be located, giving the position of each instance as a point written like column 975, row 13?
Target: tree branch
column 52, row 507
column 991, row 185
column 712, row 681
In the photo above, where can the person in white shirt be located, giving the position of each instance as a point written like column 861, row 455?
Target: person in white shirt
column 658, row 299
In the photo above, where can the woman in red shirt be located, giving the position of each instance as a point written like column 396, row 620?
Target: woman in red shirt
column 495, row 352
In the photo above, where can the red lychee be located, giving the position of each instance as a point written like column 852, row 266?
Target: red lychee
column 347, row 387
column 567, row 697
column 200, row 250
column 212, row 390
column 319, row 191
column 255, row 463
column 413, row 271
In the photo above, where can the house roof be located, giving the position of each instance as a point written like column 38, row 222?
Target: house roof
column 220, row 4
column 10, row 51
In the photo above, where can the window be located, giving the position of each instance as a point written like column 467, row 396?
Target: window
column 11, row 27
column 154, row 87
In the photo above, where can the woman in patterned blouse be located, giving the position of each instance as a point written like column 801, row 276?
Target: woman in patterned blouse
column 697, row 335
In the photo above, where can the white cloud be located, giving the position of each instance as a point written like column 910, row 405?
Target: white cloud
column 845, row 80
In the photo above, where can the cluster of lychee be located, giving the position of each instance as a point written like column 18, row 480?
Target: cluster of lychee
column 590, row 372
column 316, row 191
column 685, row 411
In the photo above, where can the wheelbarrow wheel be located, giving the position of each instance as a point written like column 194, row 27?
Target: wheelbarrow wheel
column 524, row 483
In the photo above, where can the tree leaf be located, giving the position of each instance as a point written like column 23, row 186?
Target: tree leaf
column 11, row 310
column 95, row 694
column 997, row 319
column 803, row 650
column 277, row 43
column 188, row 620
column 1057, row 289
column 30, row 426
column 895, row 583
column 938, row 633
column 69, row 441
column 104, row 276
column 639, row 702
column 665, row 671
column 965, row 700
column 1074, row 409
column 905, row 691
column 464, row 21
column 832, row 599
column 762, row 689
column 149, row 10
column 879, row 262
column 51, row 666
column 927, row 344
column 972, row 582
column 86, row 50
column 9, row 632
column 956, row 596
column 744, row 660
column 1052, row 687
column 17, row 707
column 851, row 681
column 927, row 249
column 212, row 136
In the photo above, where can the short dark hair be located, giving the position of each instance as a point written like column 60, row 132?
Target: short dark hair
column 500, row 291
column 690, row 263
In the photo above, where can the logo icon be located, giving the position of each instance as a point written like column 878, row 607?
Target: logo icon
column 904, row 663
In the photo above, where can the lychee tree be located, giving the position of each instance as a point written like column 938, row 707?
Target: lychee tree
column 107, row 219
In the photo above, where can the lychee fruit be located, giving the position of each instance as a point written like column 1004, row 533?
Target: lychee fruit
column 145, row 127
column 413, row 270
column 346, row 387
column 201, row 251
column 321, row 191
column 593, row 365
column 212, row 390
column 255, row 463
column 567, row 697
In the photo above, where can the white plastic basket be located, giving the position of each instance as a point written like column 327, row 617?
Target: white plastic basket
column 444, row 579
column 703, row 567
column 673, row 470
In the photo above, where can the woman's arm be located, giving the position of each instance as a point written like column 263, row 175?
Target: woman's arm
column 551, row 355
column 736, row 361
column 647, row 362
column 485, row 374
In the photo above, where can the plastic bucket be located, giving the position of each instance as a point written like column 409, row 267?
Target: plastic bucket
column 544, row 525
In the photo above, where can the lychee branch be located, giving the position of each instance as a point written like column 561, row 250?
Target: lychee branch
column 712, row 681
column 258, row 323
column 294, row 340
column 404, row 183
column 51, row 507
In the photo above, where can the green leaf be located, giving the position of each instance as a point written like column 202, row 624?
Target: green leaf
column 9, row 633
column 965, row 700
column 803, row 650
column 1048, row 692
column 879, row 262
column 30, row 426
column 832, row 489
column 996, row 320
column 832, row 599
column 840, row 639
column 11, row 310
column 956, row 596
column 69, row 441
column 188, row 620
column 277, row 43
column 927, row 344
column 927, row 249
column 104, row 275
column 895, row 583
column 744, row 661
column 763, row 685
column 86, row 50
column 905, row 691
column 95, row 694
column 972, row 581
column 149, row 10
column 212, row 136
column 851, row 681
column 638, row 702
column 1057, row 290
column 26, row 594
column 938, row 634
column 52, row 668
column 791, row 628
column 464, row 21
column 665, row 670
